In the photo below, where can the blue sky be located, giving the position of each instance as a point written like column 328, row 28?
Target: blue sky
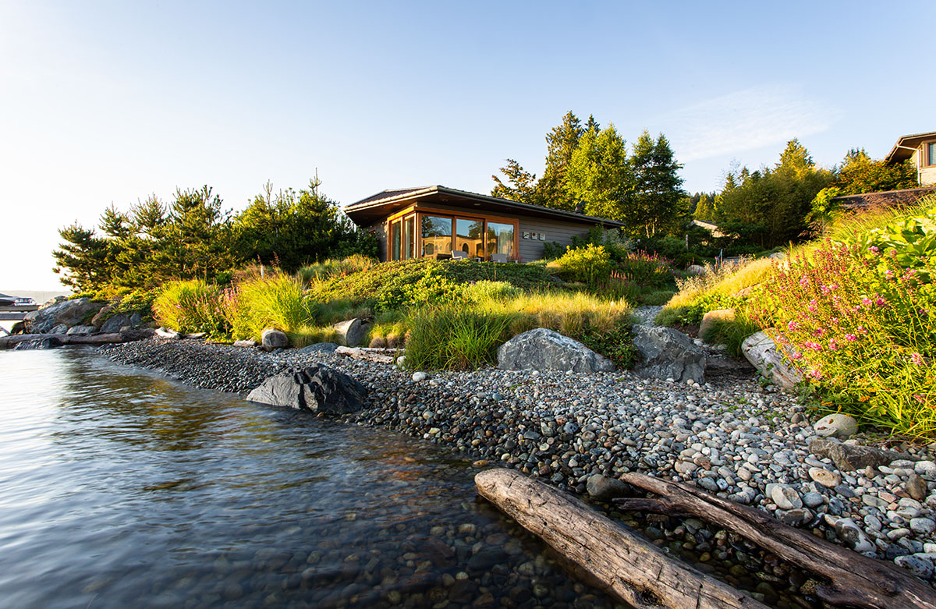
column 108, row 102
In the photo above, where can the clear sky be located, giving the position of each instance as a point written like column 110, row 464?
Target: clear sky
column 108, row 102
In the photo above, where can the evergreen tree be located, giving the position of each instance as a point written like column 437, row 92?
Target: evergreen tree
column 705, row 208
column 599, row 175
column 656, row 203
column 521, row 185
column 561, row 143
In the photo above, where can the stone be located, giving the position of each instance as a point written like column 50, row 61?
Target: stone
column 351, row 332
column 168, row 333
column 317, row 388
column 786, row 498
column 604, row 488
column 797, row 517
column 722, row 366
column 70, row 313
column 849, row 532
column 667, row 353
column 81, row 331
column 925, row 468
column 695, row 270
column 50, row 342
column 542, row 349
column 114, row 323
column 271, row 339
column 419, row 376
column 685, row 467
column 761, row 351
column 824, row 477
column 922, row 568
column 713, row 319
column 847, row 456
column 324, row 348
column 916, row 487
column 100, row 317
column 135, row 319
column 245, row 343
column 923, row 525
column 836, row 425
column 812, row 499
column 60, row 329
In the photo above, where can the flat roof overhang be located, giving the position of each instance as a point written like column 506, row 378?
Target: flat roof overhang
column 372, row 209
column 905, row 146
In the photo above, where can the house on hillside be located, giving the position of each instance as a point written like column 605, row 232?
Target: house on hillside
column 440, row 222
column 921, row 148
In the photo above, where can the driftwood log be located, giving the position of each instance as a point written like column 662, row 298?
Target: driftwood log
column 626, row 564
column 371, row 354
column 855, row 581
column 63, row 339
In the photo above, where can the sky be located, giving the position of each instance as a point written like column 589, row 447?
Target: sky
column 109, row 102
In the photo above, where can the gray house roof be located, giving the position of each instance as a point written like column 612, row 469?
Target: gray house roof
column 372, row 209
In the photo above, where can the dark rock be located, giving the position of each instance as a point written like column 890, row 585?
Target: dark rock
column 135, row 319
column 542, row 349
column 318, row 388
column 916, row 487
column 667, row 353
column 797, row 517
column 114, row 323
column 70, row 313
column 137, row 334
column 722, row 366
column 846, row 456
column 326, row 348
column 61, row 329
column 604, row 488
column 271, row 339
column 485, row 559
column 45, row 343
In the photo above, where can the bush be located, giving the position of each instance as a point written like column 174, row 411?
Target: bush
column 335, row 268
column 590, row 264
column 863, row 329
column 277, row 302
column 616, row 344
column 645, row 269
column 553, row 250
column 191, row 306
column 454, row 338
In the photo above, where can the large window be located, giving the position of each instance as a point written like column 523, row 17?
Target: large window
column 409, row 236
column 469, row 236
column 436, row 235
column 500, row 239
column 930, row 153
column 396, row 240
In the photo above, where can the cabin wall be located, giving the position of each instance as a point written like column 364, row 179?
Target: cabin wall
column 380, row 229
column 554, row 230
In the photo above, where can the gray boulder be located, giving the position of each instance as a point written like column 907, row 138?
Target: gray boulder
column 61, row 329
column 325, row 348
column 44, row 343
column 317, row 388
column 667, row 353
column 846, row 456
column 271, row 339
column 351, row 332
column 542, row 349
column 114, row 323
column 70, row 313
column 762, row 352
column 81, row 331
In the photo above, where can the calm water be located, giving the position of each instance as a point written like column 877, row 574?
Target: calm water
column 120, row 488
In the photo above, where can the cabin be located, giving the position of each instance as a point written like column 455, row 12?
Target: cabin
column 440, row 222
column 921, row 148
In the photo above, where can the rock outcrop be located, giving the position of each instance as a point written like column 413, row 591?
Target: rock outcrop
column 542, row 349
column 317, row 388
column 70, row 313
column 847, row 456
column 668, row 354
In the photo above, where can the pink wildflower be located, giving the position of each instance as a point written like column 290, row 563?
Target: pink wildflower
column 866, row 302
column 833, row 344
column 916, row 358
column 862, row 330
column 851, row 337
column 812, row 305
column 792, row 326
column 880, row 302
column 815, row 374
column 874, row 249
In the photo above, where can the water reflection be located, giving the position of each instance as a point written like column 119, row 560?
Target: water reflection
column 120, row 488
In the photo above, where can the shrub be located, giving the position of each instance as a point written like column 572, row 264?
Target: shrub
column 335, row 268
column 645, row 269
column 453, row 337
column 277, row 302
column 590, row 264
column 863, row 328
column 553, row 250
column 616, row 344
column 191, row 306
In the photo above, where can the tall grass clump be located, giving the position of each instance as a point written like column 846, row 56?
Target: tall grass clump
column 335, row 268
column 191, row 306
column 278, row 302
column 649, row 270
column 861, row 325
column 453, row 337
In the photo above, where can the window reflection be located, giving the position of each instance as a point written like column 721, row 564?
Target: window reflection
column 500, row 239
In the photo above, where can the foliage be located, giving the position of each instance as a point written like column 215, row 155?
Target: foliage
column 552, row 250
column 705, row 208
column 599, row 174
column 910, row 241
column 616, row 344
column 863, row 329
column 335, row 268
column 192, row 306
column 614, row 241
column 521, row 185
column 861, row 174
column 452, row 337
column 732, row 333
column 769, row 207
column 657, row 203
column 645, row 269
column 717, row 288
column 590, row 264
column 274, row 302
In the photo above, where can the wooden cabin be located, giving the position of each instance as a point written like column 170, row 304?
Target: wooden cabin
column 440, row 222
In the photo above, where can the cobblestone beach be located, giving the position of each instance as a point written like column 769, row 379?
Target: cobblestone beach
column 733, row 437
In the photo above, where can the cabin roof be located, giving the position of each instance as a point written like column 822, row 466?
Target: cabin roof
column 906, row 145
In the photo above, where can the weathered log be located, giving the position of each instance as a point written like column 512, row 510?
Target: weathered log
column 371, row 354
column 63, row 339
column 856, row 581
column 626, row 564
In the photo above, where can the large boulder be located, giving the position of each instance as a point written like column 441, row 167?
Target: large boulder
column 317, row 388
column 762, row 352
column 114, row 323
column 271, row 339
column 351, row 332
column 668, row 354
column 542, row 349
column 70, row 313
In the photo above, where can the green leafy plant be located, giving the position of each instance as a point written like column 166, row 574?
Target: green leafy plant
column 191, row 306
column 590, row 264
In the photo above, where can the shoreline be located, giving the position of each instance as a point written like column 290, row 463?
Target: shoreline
column 730, row 436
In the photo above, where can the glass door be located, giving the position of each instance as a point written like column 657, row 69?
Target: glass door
column 409, row 236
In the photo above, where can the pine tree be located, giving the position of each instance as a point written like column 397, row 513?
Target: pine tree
column 657, row 200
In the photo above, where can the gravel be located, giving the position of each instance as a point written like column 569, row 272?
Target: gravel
column 731, row 436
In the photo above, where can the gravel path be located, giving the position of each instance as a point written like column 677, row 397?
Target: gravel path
column 732, row 437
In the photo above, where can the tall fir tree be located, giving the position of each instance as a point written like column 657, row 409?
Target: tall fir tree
column 656, row 201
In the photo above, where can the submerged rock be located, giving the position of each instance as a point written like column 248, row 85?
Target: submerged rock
column 317, row 388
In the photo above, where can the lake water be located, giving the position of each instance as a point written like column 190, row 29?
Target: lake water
column 122, row 488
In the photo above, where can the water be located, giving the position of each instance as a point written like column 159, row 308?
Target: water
column 121, row 488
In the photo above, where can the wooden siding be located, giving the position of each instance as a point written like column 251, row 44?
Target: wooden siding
column 555, row 230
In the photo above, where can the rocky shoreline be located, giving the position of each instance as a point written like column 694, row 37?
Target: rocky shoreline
column 730, row 436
